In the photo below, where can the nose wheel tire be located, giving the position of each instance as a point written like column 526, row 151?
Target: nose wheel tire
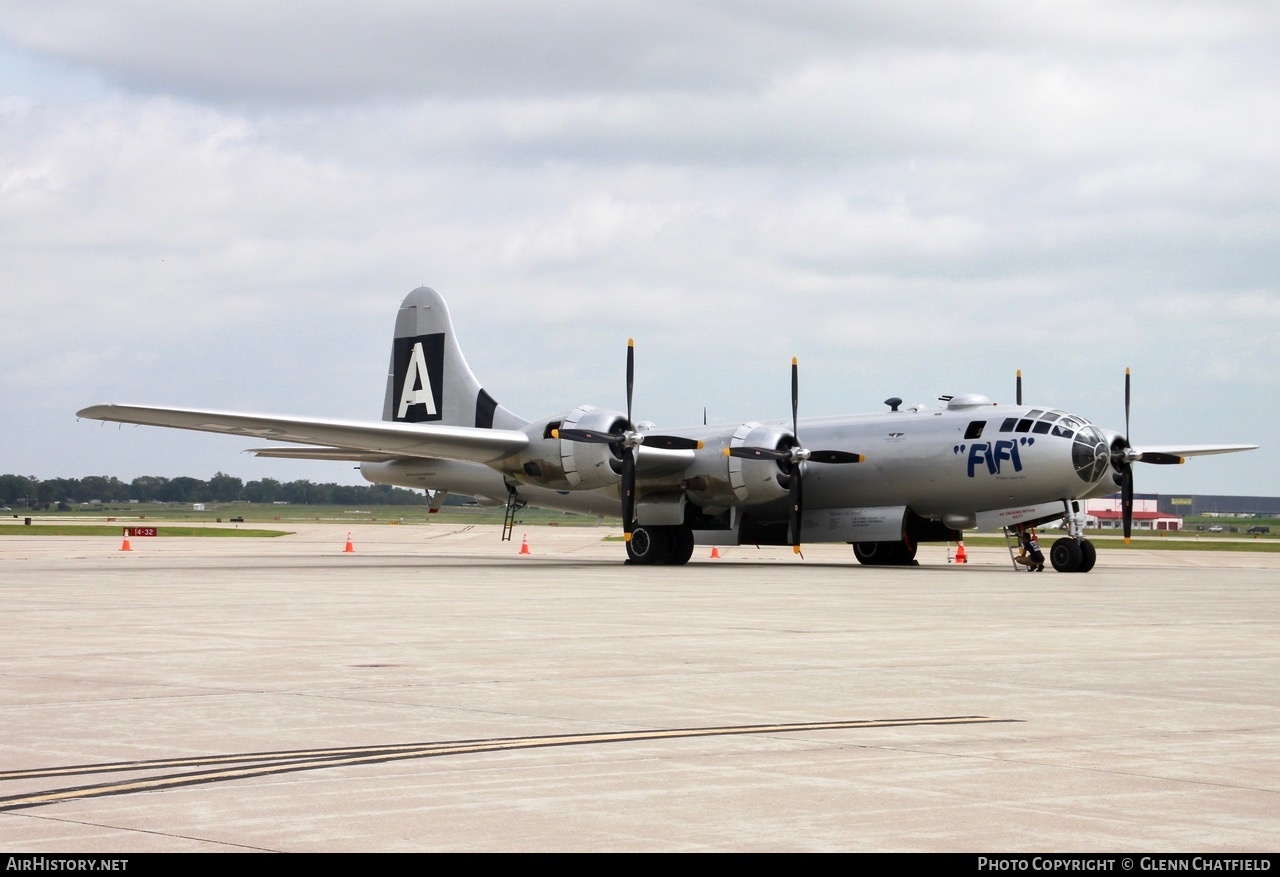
column 1073, row 555
column 1088, row 555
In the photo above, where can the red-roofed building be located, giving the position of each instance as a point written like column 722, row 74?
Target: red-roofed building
column 1105, row 513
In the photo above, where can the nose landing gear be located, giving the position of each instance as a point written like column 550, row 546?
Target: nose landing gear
column 1073, row 554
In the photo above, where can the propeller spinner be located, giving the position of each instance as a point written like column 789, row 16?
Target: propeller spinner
column 794, row 459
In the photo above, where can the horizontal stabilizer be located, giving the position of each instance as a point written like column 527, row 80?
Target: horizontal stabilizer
column 392, row 439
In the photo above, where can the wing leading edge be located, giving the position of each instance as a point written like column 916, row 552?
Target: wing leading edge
column 358, row 439
column 1176, row 453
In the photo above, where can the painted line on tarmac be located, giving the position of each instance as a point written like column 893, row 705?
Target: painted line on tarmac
column 260, row 764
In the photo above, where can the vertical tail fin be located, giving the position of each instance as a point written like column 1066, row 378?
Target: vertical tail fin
column 428, row 380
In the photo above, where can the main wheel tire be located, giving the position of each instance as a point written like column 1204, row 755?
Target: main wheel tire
column 680, row 547
column 648, row 545
column 869, row 553
column 1066, row 555
column 885, row 553
column 1088, row 555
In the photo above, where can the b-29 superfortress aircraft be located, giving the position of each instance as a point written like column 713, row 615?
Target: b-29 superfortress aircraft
column 881, row 482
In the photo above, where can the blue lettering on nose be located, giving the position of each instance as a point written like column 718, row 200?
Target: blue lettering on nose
column 1007, row 450
column 993, row 456
column 980, row 452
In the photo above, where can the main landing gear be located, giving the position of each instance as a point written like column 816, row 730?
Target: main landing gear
column 901, row 553
column 666, row 546
column 1073, row 554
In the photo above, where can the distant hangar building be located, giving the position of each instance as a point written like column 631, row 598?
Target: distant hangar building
column 1155, row 512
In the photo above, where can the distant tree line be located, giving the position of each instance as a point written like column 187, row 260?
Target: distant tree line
column 32, row 493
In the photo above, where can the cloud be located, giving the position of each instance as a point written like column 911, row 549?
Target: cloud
column 333, row 51
column 915, row 199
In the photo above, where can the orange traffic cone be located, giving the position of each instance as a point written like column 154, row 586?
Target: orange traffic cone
column 715, row 551
column 524, row 544
column 960, row 556
column 126, row 546
column 349, row 549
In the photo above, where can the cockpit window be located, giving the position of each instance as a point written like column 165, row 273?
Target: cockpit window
column 975, row 429
column 1041, row 423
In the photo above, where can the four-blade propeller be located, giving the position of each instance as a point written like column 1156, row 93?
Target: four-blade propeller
column 1124, row 455
column 794, row 458
column 625, row 443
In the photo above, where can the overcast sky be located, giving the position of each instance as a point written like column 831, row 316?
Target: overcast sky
column 222, row 205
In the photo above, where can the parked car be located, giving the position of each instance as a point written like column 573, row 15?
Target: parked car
column 1259, row 530
column 1216, row 528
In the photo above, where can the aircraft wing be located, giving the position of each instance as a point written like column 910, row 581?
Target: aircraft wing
column 340, row 455
column 650, row 462
column 365, row 437
column 1176, row 453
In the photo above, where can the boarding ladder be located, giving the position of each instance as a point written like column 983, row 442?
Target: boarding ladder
column 514, row 504
column 1011, row 539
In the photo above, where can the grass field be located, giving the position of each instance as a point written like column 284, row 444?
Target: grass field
column 116, row 530
column 255, row 521
column 216, row 521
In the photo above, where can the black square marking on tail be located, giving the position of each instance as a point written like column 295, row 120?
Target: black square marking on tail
column 418, row 375
column 485, row 406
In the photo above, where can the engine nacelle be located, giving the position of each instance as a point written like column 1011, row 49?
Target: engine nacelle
column 560, row 464
column 719, row 481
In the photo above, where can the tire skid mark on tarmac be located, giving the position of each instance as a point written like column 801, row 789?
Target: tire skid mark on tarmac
column 220, row 768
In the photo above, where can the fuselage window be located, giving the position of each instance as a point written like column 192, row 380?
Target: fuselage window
column 1008, row 425
column 1034, row 413
column 1041, row 427
column 1024, row 425
column 1050, row 416
column 975, row 429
